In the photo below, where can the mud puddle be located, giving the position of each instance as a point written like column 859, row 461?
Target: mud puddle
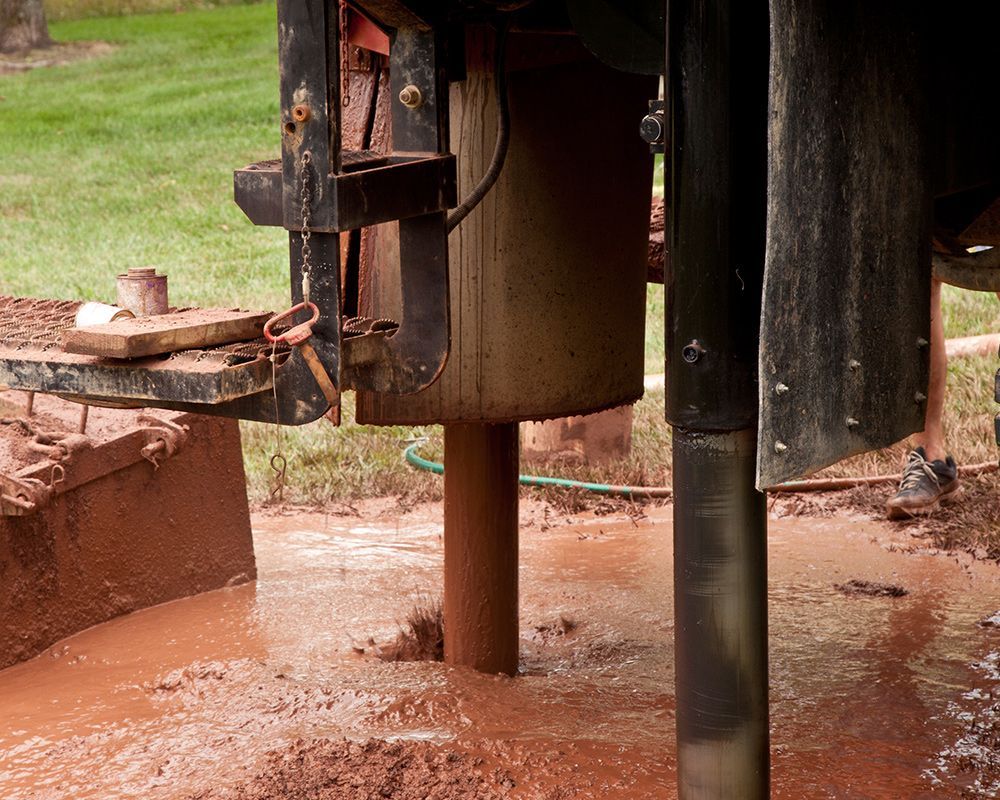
column 872, row 696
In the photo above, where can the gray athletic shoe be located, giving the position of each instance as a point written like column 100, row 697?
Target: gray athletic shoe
column 925, row 485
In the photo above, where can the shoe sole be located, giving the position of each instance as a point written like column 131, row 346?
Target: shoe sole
column 946, row 498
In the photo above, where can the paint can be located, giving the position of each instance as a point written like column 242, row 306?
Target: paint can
column 143, row 292
column 99, row 313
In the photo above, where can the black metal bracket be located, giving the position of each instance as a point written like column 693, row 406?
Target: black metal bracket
column 415, row 185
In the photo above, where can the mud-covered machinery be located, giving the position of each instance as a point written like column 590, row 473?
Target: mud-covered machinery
column 808, row 143
column 316, row 190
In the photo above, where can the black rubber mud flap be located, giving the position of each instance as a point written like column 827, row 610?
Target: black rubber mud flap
column 845, row 323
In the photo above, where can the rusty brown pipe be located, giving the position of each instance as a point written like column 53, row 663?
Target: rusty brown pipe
column 480, row 546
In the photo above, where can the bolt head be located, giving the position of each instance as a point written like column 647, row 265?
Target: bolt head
column 780, row 447
column 411, row 96
column 692, row 351
column 854, row 364
column 652, row 128
column 301, row 113
column 780, row 389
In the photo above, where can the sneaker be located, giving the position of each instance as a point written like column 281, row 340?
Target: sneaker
column 925, row 485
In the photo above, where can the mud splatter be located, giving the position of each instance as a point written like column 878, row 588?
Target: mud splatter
column 420, row 638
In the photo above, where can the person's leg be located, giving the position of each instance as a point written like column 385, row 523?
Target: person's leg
column 932, row 436
column 931, row 476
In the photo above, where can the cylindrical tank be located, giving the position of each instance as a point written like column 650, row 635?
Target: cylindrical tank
column 548, row 273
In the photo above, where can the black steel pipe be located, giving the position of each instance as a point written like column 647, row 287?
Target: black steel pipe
column 720, row 617
column 717, row 82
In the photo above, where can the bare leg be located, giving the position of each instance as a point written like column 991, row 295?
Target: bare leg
column 932, row 436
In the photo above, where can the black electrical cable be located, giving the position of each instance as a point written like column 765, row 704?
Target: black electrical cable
column 503, row 135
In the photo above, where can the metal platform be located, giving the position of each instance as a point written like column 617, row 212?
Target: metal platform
column 31, row 358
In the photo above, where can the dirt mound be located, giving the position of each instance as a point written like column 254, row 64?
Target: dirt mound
column 372, row 770
column 860, row 588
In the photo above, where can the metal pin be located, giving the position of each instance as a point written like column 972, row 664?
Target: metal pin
column 84, row 413
column 780, row 447
column 29, row 406
column 919, row 397
column 851, row 422
column 780, row 389
column 854, row 364
column 922, row 343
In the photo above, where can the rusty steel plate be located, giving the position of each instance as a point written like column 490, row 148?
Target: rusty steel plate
column 31, row 358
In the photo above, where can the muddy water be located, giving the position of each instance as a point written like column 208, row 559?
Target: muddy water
column 871, row 697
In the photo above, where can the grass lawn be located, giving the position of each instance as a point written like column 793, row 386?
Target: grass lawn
column 127, row 160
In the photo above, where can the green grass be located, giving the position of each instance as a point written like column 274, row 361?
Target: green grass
column 58, row 10
column 127, row 160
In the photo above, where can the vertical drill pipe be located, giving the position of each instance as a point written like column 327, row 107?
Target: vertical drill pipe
column 720, row 617
column 717, row 82
column 480, row 546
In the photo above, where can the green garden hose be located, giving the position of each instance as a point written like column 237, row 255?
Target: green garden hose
column 648, row 492
column 415, row 459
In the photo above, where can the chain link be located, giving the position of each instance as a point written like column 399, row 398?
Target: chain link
column 306, row 176
column 345, row 60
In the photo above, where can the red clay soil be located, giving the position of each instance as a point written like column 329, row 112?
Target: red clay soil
column 126, row 534
column 372, row 770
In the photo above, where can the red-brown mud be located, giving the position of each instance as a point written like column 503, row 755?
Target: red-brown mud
column 252, row 691
column 112, row 532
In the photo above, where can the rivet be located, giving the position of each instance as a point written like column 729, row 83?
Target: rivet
column 854, row 364
column 411, row 96
column 780, row 389
column 301, row 113
column 922, row 343
column 851, row 422
column 919, row 397
column 780, row 447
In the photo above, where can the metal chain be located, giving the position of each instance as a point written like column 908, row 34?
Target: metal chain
column 306, row 175
column 345, row 60
column 279, row 463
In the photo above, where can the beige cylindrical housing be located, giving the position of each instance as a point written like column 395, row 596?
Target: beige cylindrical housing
column 548, row 273
column 143, row 292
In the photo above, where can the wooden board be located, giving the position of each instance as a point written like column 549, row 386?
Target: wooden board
column 166, row 333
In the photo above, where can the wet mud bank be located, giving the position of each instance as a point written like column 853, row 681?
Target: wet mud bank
column 116, row 510
column 258, row 691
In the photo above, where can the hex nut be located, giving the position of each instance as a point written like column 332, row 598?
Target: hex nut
column 411, row 96
column 692, row 351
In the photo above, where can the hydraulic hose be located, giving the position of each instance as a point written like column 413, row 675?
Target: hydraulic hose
column 503, row 136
